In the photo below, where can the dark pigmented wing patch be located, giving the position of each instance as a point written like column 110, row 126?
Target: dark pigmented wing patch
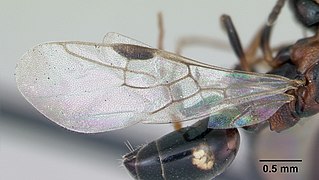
column 133, row 51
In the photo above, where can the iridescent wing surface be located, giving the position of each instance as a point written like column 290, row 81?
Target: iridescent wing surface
column 92, row 87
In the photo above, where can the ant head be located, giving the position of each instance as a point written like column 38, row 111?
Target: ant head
column 306, row 11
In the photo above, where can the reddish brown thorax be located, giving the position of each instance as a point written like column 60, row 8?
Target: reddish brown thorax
column 305, row 57
column 305, row 53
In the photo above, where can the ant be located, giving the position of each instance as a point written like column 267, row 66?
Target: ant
column 191, row 152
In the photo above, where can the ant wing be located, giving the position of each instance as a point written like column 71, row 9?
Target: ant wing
column 116, row 38
column 248, row 113
column 90, row 87
column 230, row 98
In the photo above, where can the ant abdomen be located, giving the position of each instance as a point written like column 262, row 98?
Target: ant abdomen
column 193, row 152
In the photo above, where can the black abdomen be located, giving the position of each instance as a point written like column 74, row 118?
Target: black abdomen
column 194, row 152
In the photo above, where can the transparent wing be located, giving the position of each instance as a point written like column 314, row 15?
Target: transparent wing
column 248, row 113
column 230, row 98
column 116, row 38
column 89, row 87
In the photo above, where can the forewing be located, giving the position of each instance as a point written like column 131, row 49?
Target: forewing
column 91, row 87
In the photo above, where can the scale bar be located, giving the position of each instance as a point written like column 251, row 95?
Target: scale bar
column 280, row 160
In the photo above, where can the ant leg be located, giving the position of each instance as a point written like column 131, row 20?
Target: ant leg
column 233, row 37
column 249, row 56
column 200, row 41
column 176, row 122
column 251, row 51
column 161, row 31
column 265, row 36
column 262, row 39
column 247, row 59
column 235, row 42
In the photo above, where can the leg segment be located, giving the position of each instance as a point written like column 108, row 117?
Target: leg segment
column 177, row 123
column 235, row 42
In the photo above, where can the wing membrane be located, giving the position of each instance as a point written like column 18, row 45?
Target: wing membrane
column 248, row 113
column 89, row 87
column 115, row 38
